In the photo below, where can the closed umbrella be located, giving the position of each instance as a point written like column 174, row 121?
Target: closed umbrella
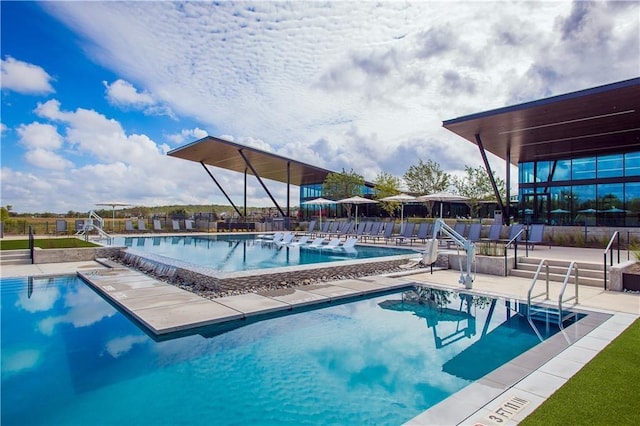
column 442, row 197
column 402, row 199
column 113, row 205
column 356, row 200
column 320, row 202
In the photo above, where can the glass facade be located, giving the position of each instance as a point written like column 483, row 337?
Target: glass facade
column 598, row 190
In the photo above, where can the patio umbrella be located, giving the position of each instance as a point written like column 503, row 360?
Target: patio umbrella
column 320, row 202
column 559, row 211
column 356, row 200
column 402, row 199
column 442, row 197
column 113, row 205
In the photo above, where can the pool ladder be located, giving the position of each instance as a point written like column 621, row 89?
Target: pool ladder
column 541, row 310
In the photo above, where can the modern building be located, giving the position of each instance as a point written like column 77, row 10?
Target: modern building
column 578, row 154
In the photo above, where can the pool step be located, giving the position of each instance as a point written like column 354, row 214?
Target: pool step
column 15, row 257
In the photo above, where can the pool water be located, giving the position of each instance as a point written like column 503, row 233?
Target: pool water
column 232, row 253
column 70, row 358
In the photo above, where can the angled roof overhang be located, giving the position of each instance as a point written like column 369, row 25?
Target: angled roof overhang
column 597, row 121
column 217, row 152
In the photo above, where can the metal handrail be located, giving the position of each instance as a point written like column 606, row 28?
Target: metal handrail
column 515, row 251
column 616, row 236
column 573, row 265
column 535, row 280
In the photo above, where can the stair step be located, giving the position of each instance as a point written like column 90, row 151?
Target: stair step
column 587, row 273
column 15, row 261
column 15, row 257
column 590, row 281
column 561, row 263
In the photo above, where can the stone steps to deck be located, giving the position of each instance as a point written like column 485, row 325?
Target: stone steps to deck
column 163, row 308
column 590, row 274
column 15, row 257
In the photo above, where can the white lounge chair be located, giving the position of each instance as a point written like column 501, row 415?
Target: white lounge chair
column 286, row 239
column 157, row 225
column 128, row 225
column 348, row 244
column 316, row 243
column 188, row 224
column 301, row 241
column 176, row 225
column 142, row 226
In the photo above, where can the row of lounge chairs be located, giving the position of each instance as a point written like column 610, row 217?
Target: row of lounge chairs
column 189, row 225
column 288, row 239
column 413, row 232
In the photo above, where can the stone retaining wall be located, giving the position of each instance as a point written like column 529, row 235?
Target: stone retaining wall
column 73, row 254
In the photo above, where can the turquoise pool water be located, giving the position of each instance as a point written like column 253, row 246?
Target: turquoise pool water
column 232, row 253
column 70, row 358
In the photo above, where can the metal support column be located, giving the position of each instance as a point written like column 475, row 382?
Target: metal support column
column 255, row 173
column 288, row 188
column 491, row 178
column 245, row 192
column 507, row 216
column 221, row 189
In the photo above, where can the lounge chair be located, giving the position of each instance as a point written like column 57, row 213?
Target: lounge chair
column 316, row 243
column 311, row 227
column 535, row 235
column 373, row 231
column 176, row 225
column 360, row 229
column 460, row 228
column 333, row 243
column 325, row 228
column 422, row 233
column 474, row 232
column 157, row 225
column 286, row 239
column 515, row 231
column 348, row 244
column 142, row 226
column 494, row 232
column 407, row 234
column 300, row 241
column 188, row 225
column 388, row 232
column 128, row 225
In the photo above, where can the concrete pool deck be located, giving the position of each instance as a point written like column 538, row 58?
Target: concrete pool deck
column 505, row 396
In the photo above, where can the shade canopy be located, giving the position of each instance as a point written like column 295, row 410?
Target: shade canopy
column 319, row 202
column 559, row 211
column 357, row 200
column 442, row 197
column 401, row 198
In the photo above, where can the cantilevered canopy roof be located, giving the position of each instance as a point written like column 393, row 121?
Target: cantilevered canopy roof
column 229, row 155
column 596, row 121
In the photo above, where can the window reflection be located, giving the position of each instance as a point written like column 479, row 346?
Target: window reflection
column 632, row 164
column 526, row 172
column 561, row 170
column 583, row 168
column 542, row 171
column 610, row 166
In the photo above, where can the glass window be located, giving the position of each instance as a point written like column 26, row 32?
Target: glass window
column 610, row 196
column 542, row 171
column 610, row 166
column 584, row 197
column 632, row 164
column 525, row 172
column 561, row 170
column 632, row 203
column 583, row 168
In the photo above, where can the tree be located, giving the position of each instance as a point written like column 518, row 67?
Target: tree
column 385, row 186
column 427, row 178
column 476, row 185
column 4, row 214
column 343, row 185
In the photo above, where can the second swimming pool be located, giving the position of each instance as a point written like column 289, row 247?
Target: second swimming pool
column 233, row 253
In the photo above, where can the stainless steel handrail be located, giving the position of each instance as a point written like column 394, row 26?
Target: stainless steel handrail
column 615, row 236
column 573, row 265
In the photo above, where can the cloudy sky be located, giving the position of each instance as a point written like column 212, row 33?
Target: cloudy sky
column 95, row 93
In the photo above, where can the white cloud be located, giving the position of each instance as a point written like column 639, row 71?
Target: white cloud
column 187, row 135
column 24, row 78
column 38, row 135
column 122, row 93
column 47, row 159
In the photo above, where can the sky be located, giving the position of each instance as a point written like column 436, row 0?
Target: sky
column 94, row 94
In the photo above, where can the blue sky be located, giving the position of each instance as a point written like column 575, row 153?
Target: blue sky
column 95, row 93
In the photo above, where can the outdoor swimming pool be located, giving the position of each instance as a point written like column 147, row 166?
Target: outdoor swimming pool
column 69, row 357
column 232, row 253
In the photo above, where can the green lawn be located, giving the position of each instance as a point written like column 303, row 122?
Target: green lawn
column 45, row 243
column 604, row 392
